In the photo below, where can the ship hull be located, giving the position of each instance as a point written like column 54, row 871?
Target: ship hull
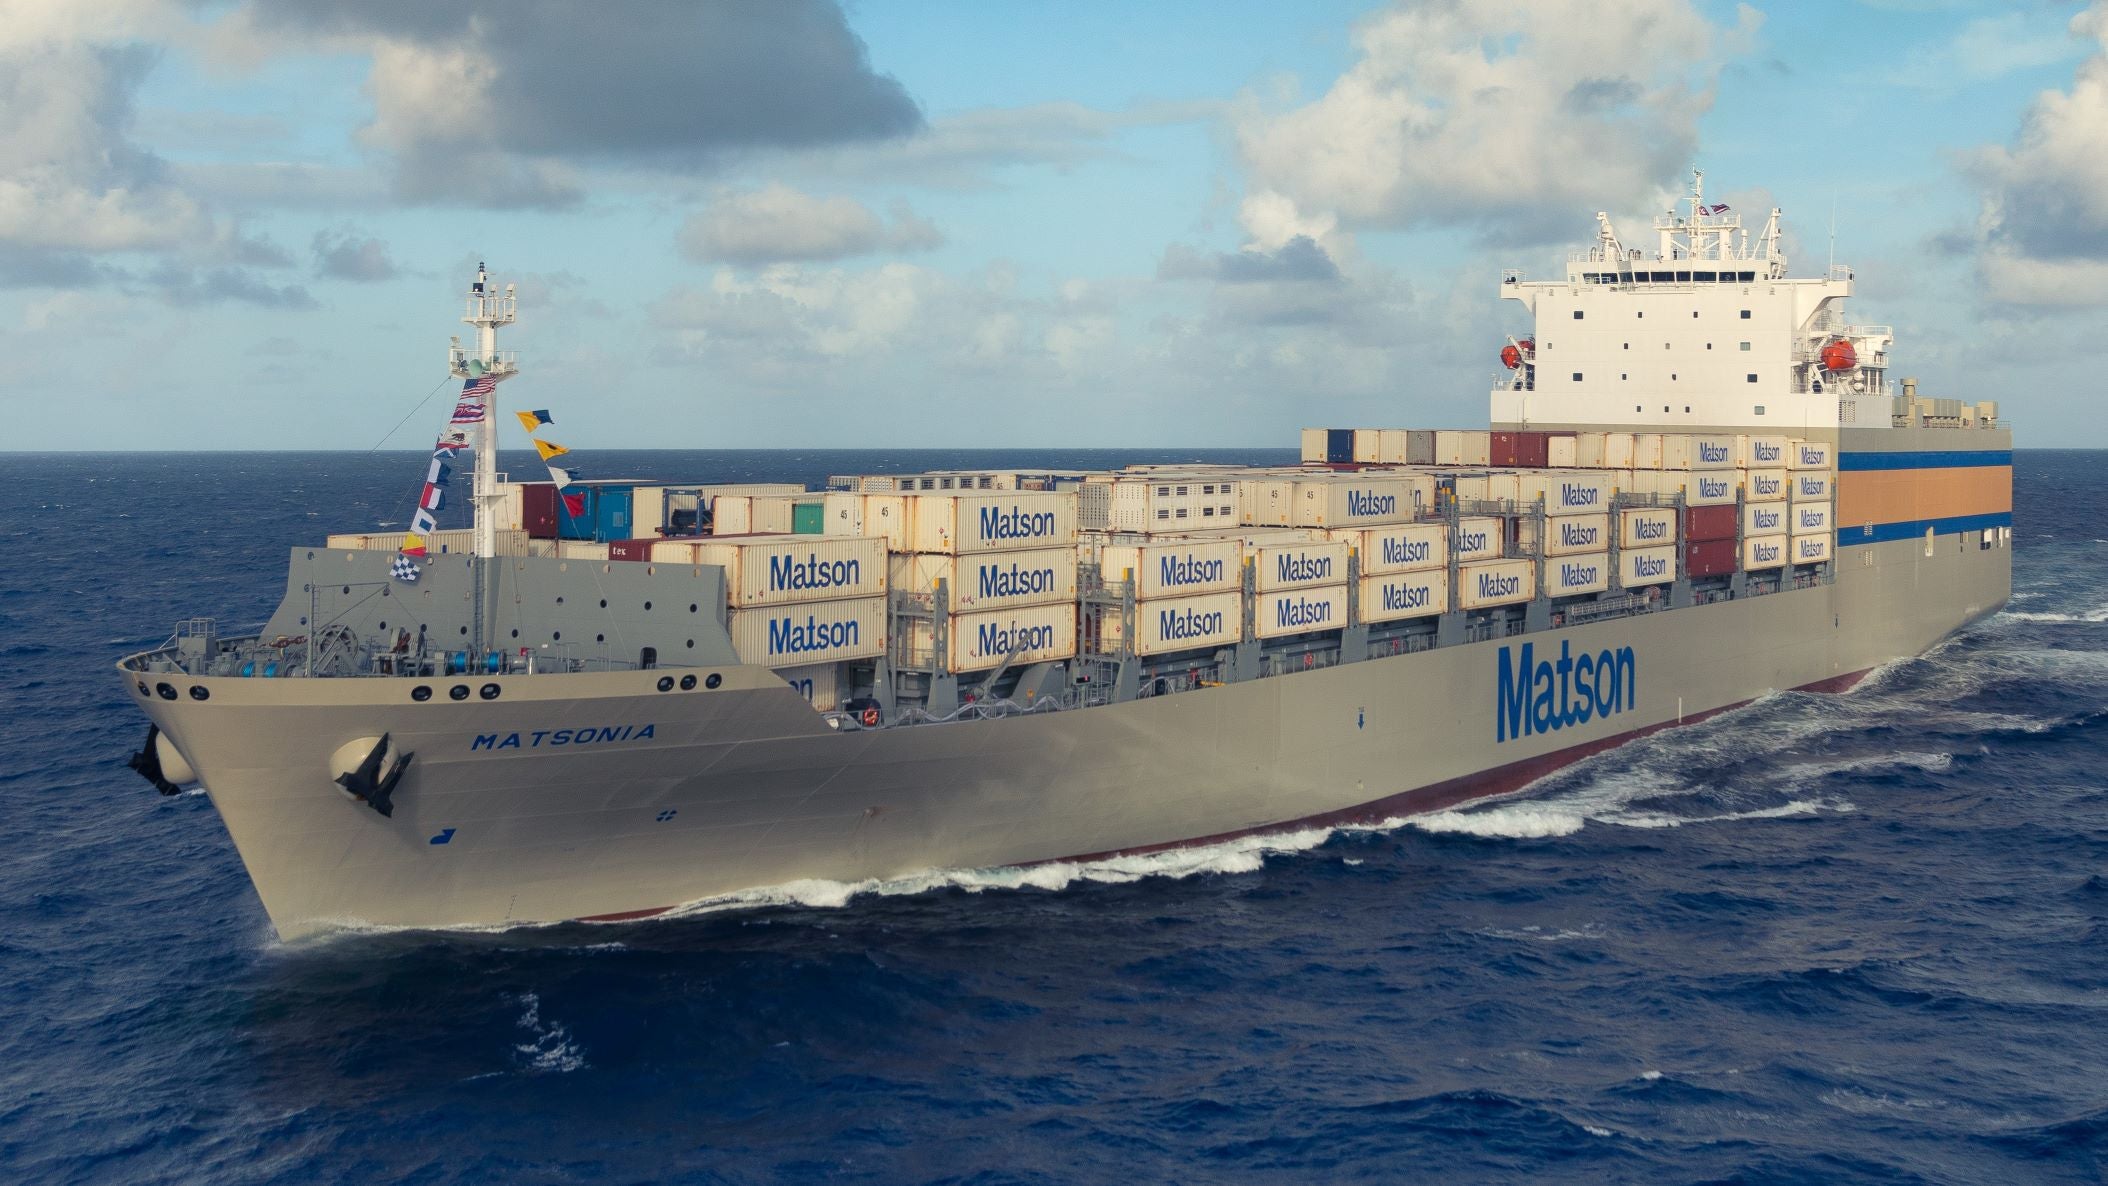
column 685, row 796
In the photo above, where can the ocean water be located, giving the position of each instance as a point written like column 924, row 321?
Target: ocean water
column 1858, row 938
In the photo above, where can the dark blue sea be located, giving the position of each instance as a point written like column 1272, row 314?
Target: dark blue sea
column 1822, row 939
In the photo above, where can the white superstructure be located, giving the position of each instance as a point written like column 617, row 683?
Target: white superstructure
column 1704, row 331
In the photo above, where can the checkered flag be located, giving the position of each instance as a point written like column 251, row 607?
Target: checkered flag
column 405, row 569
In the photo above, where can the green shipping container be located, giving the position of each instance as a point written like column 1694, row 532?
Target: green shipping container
column 808, row 518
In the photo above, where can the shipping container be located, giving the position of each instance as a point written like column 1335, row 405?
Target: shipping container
column 453, row 541
column 1763, row 518
column 1805, row 455
column 1299, row 611
column 1168, row 624
column 819, row 683
column 1646, row 450
column 1764, row 485
column 1718, row 452
column 1392, row 447
column 574, row 511
column 1646, row 527
column 1495, row 582
column 674, row 552
column 1519, row 450
column 1567, row 493
column 886, row 516
column 987, row 580
column 538, row 510
column 809, row 632
column 980, row 641
column 780, row 570
column 1603, row 450
column 1677, row 451
column 1639, row 567
column 844, row 514
column 1571, row 576
column 1420, row 446
column 1368, row 445
column 1314, row 444
column 1709, row 523
column 1167, row 503
column 1811, row 516
column 1345, row 502
column 1462, row 447
column 1567, row 535
column 1174, row 567
column 1561, row 452
column 581, row 549
column 611, row 513
column 1712, row 557
column 629, row 549
column 1763, row 551
column 1339, row 446
column 1404, row 547
column 1479, row 539
column 808, row 518
column 992, row 522
column 1763, row 452
column 647, row 512
column 1392, row 597
column 1293, row 565
column 512, row 507
column 1812, row 547
column 1809, row 486
column 1702, row 488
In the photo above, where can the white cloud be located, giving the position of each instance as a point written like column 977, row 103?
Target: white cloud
column 777, row 223
column 1490, row 113
column 2043, row 225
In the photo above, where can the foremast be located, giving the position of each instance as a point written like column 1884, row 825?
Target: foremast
column 487, row 309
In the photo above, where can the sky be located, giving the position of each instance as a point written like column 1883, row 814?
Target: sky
column 249, row 224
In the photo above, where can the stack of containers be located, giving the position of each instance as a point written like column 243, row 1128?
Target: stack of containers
column 1764, row 504
column 804, row 601
column 1809, row 497
column 1359, row 500
column 1010, row 560
column 1405, row 569
column 1646, row 546
column 1301, row 586
column 1186, row 594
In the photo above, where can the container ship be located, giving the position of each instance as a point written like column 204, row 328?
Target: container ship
column 607, row 700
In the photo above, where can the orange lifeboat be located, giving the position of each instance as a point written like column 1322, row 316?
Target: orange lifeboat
column 1839, row 356
column 1513, row 354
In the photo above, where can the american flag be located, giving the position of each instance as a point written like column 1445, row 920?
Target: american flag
column 479, row 386
column 1721, row 209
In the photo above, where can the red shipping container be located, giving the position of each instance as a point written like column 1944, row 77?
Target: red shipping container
column 1707, row 523
column 1517, row 450
column 538, row 509
column 1711, row 557
column 629, row 549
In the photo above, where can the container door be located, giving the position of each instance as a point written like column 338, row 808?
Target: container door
column 611, row 513
column 574, row 512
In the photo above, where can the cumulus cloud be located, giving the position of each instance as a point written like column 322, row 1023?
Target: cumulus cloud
column 345, row 255
column 1300, row 260
column 777, row 223
column 2043, row 225
column 1490, row 113
column 502, row 102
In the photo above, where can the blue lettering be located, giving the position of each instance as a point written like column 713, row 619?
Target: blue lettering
column 1471, row 543
column 484, row 741
column 1301, row 568
column 1176, row 571
column 1650, row 528
column 1650, row 566
column 1000, row 523
column 1571, row 495
column 1292, row 612
column 1493, row 584
column 1578, row 535
column 1363, row 503
column 1406, row 550
column 1181, row 625
column 1764, row 518
column 1545, row 696
column 1711, row 452
column 1712, row 487
column 791, row 573
column 1014, row 581
column 1760, row 451
column 1763, row 485
column 788, row 636
column 560, row 737
column 512, row 741
column 1017, row 637
column 1574, row 573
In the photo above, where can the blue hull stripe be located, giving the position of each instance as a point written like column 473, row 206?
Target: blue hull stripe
column 1847, row 462
column 1881, row 533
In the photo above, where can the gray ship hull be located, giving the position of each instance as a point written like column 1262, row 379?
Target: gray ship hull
column 506, row 816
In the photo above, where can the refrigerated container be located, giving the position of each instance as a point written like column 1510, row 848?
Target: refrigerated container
column 1639, row 567
column 1168, row 624
column 1403, row 547
column 1344, row 501
column 809, row 632
column 1290, row 564
column 1485, row 583
column 987, row 580
column 1764, row 485
column 782, row 569
column 1478, row 538
column 1763, row 518
column 1570, row 576
column 1395, row 596
column 992, row 521
column 979, row 641
column 1764, row 551
column 1812, row 547
column 1646, row 527
column 1174, row 567
column 1299, row 610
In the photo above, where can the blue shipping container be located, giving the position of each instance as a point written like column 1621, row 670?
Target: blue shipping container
column 568, row 525
column 611, row 513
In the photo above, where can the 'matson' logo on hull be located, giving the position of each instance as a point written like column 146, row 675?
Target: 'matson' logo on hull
column 1547, row 695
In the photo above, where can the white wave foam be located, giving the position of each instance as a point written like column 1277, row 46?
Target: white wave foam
column 1650, row 1076
column 1542, row 935
column 1655, row 819
column 552, row 1050
column 1593, row 1131
column 1521, row 821
column 2090, row 616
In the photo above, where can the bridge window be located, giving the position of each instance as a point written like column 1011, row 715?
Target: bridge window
column 1748, row 276
column 1758, row 410
column 1745, row 345
column 1745, row 315
column 1577, row 315
column 1752, row 378
column 1577, row 376
column 1705, row 277
column 1664, row 277
column 1684, row 278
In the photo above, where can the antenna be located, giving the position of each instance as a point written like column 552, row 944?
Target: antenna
column 1833, row 234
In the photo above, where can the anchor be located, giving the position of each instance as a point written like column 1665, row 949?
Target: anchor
column 369, row 784
column 148, row 763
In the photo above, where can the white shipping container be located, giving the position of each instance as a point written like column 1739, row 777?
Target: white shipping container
column 1406, row 547
column 1811, row 516
column 1297, row 611
column 1812, row 548
column 1478, row 539
column 581, row 549
column 462, row 540
column 843, row 514
column 1561, row 452
column 809, row 632
column 1392, row 447
column 987, row 580
column 1763, row 551
column 647, row 511
column 979, row 641
column 1763, row 518
column 1809, row 486
column 1809, row 455
column 1461, row 447
column 1765, row 451
column 1394, row 596
column 1717, row 452
column 1603, row 450
column 1177, row 623
column 1676, row 451
column 819, row 683
column 512, row 513
column 886, row 516
column 674, row 552
column 1291, row 565
column 1174, row 567
column 1646, row 527
column 1170, row 502
column 1314, row 444
column 1764, row 485
column 1569, row 576
column 780, row 570
column 1588, row 450
column 1701, row 488
column 1344, row 502
column 1495, row 582
column 1568, row 535
column 1368, row 445
column 1567, row 493
column 1638, row 567
column 1646, row 450
column 751, row 514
